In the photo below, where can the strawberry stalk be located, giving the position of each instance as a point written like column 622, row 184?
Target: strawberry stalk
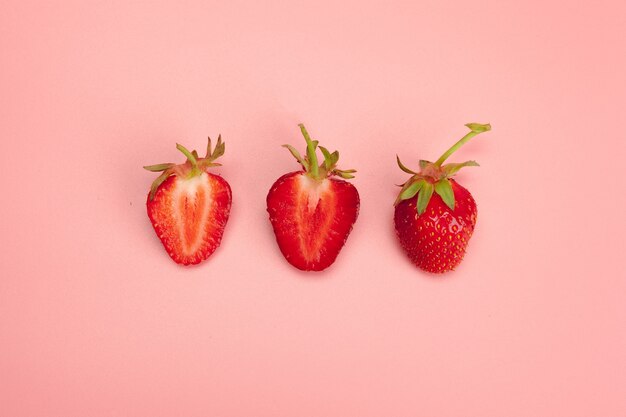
column 310, row 162
column 192, row 160
column 310, row 152
column 476, row 128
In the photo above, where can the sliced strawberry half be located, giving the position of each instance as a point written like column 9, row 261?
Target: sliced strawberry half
column 312, row 212
column 188, row 206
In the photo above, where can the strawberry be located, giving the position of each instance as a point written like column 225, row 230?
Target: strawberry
column 312, row 213
column 434, row 215
column 188, row 206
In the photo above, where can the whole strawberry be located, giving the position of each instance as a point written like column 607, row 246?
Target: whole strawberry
column 434, row 215
column 311, row 211
column 188, row 206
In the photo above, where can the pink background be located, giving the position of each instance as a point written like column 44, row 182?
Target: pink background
column 96, row 320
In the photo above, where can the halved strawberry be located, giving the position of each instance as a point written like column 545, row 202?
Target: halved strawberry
column 312, row 213
column 434, row 215
column 188, row 206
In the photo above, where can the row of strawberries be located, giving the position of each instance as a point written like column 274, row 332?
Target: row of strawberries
column 312, row 210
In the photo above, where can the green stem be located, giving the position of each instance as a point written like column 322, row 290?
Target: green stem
column 476, row 129
column 192, row 159
column 310, row 151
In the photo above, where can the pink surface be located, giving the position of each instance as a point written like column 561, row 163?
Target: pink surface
column 96, row 320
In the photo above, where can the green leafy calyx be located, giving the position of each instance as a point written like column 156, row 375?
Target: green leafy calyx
column 310, row 162
column 433, row 177
column 193, row 167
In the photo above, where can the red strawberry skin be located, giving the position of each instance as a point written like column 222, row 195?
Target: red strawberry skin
column 312, row 218
column 189, row 215
column 436, row 240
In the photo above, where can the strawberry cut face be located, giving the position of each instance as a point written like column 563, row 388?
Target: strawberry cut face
column 189, row 201
column 312, row 218
column 189, row 216
column 315, row 211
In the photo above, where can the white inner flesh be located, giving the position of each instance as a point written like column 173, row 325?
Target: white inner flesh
column 314, row 188
column 189, row 188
